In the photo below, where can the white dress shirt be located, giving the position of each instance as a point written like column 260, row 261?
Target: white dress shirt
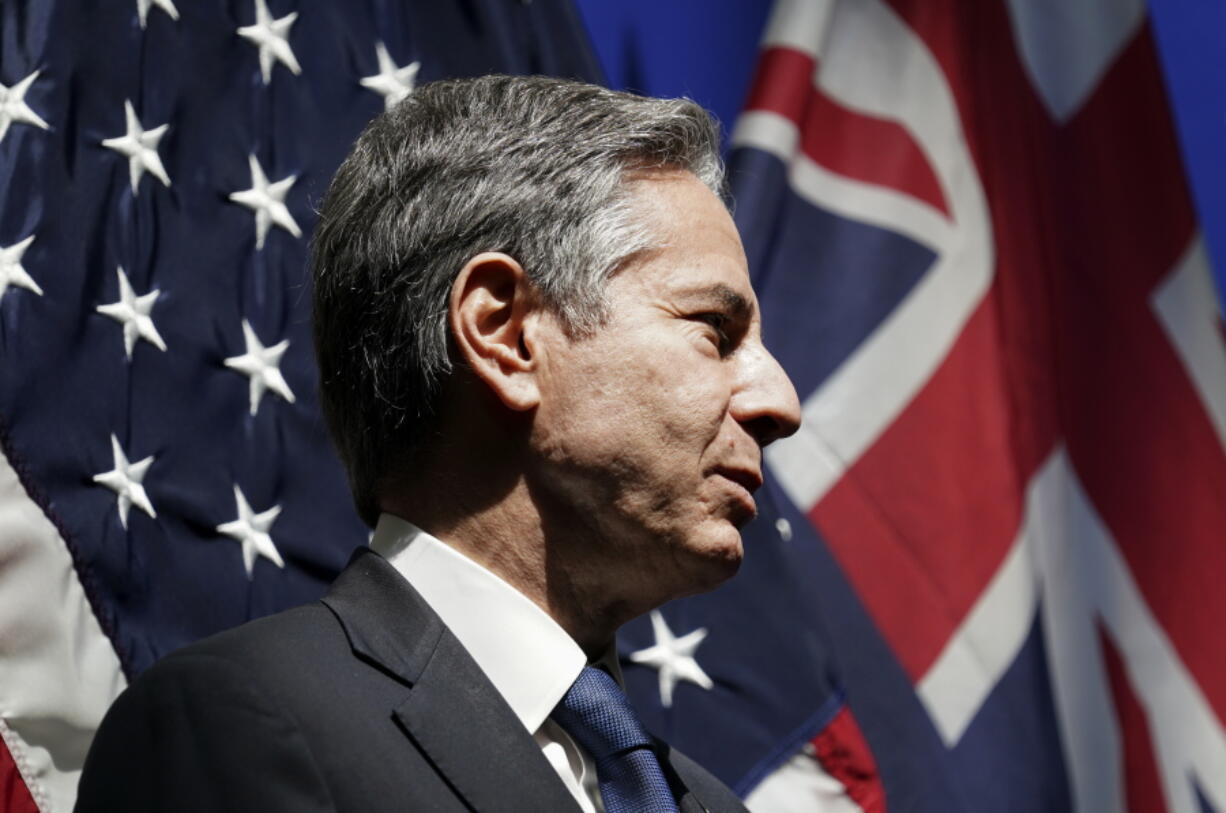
column 529, row 658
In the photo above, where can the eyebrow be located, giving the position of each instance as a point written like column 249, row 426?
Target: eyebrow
column 729, row 298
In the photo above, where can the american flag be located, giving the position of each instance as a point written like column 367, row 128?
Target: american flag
column 968, row 224
column 165, row 472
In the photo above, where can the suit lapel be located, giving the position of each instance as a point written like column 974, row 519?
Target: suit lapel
column 699, row 792
column 452, row 712
column 389, row 624
column 491, row 759
column 690, row 804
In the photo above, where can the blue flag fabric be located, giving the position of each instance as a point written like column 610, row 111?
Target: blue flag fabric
column 1189, row 34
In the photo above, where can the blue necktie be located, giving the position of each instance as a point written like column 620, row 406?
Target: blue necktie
column 597, row 714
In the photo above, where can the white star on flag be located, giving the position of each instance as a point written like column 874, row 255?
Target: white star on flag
column 272, row 37
column 251, row 531
column 267, row 200
column 260, row 364
column 392, row 82
column 673, row 658
column 13, row 107
column 11, row 271
column 133, row 312
column 126, row 481
column 141, row 148
column 168, row 6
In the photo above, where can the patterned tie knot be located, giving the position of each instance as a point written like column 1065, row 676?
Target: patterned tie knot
column 597, row 713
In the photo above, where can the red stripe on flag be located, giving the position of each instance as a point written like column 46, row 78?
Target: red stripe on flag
column 782, row 83
column 1142, row 785
column 856, row 145
column 14, row 795
column 934, row 504
column 906, row 607
column 843, row 752
column 869, row 149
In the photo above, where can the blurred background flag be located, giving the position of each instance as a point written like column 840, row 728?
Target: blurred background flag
column 976, row 252
column 985, row 575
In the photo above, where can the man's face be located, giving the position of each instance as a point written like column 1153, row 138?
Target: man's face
column 650, row 431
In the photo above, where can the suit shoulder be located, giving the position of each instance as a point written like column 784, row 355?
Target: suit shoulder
column 220, row 698
column 272, row 644
column 268, row 662
column 282, row 661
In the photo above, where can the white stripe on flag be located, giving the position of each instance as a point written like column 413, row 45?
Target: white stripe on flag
column 1187, row 307
column 973, row 660
column 799, row 24
column 877, row 205
column 1067, row 45
column 1087, row 586
column 58, row 670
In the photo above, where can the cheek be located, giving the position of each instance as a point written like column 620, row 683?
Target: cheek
column 697, row 403
column 584, row 420
column 669, row 403
column 658, row 406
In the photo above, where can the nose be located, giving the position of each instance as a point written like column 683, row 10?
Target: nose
column 765, row 402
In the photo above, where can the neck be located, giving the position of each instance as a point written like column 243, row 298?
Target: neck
column 493, row 519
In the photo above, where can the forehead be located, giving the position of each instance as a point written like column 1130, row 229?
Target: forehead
column 698, row 250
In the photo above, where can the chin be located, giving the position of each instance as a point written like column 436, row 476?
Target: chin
column 715, row 560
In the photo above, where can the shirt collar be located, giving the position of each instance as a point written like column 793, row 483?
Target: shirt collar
column 528, row 657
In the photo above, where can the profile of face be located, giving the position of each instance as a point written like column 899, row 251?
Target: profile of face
column 650, row 431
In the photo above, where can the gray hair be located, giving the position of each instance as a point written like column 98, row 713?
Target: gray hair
column 534, row 167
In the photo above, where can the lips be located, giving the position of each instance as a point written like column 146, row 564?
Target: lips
column 748, row 481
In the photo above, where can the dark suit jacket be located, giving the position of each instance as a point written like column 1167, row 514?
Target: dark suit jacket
column 363, row 701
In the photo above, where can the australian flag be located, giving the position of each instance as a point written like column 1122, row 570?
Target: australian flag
column 968, row 224
column 986, row 574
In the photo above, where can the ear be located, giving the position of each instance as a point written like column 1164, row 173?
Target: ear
column 492, row 305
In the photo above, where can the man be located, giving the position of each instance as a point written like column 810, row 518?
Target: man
column 541, row 361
